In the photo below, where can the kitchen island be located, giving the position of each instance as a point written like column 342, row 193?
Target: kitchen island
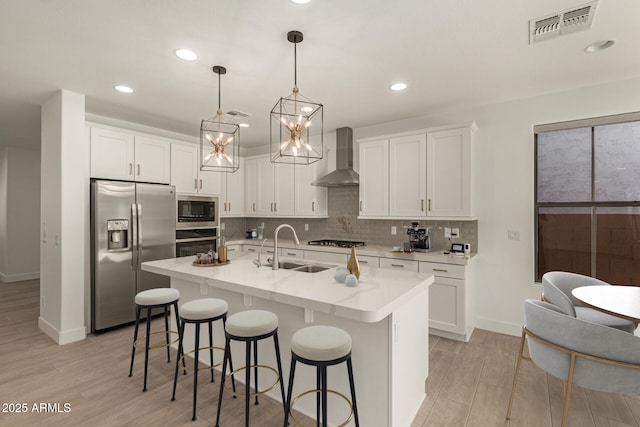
column 386, row 316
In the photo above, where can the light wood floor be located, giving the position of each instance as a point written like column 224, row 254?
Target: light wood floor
column 468, row 384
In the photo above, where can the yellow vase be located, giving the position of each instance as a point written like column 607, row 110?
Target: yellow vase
column 353, row 266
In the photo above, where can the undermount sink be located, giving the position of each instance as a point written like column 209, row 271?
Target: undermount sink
column 305, row 268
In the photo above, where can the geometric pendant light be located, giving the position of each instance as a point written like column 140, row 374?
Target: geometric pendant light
column 296, row 123
column 219, row 139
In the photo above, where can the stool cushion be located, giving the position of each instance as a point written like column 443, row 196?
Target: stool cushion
column 321, row 343
column 157, row 296
column 252, row 323
column 204, row 308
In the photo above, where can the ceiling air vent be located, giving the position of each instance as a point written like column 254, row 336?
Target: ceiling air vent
column 568, row 21
column 236, row 113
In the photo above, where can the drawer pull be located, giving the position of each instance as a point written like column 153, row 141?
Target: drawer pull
column 441, row 270
column 251, row 249
column 363, row 261
column 231, row 249
column 397, row 265
column 292, row 254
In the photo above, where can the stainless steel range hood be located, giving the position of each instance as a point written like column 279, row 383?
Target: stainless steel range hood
column 344, row 173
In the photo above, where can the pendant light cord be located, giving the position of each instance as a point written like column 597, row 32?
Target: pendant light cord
column 295, row 64
column 219, row 90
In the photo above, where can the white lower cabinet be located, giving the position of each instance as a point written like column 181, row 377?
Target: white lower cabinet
column 330, row 257
column 451, row 300
column 399, row 264
column 369, row 261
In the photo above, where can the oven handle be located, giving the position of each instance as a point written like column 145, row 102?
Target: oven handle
column 196, row 239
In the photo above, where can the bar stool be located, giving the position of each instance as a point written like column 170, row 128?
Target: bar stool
column 321, row 346
column 149, row 299
column 250, row 326
column 197, row 312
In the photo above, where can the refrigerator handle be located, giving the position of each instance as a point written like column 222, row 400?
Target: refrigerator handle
column 134, row 236
column 139, row 207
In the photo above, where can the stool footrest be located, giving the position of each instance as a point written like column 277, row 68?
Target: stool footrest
column 257, row 392
column 199, row 368
column 316, row 391
column 141, row 342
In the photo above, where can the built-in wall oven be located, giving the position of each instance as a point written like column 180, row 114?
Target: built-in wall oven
column 195, row 240
column 197, row 220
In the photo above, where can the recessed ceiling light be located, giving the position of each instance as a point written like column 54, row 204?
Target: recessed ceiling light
column 243, row 125
column 398, row 86
column 186, row 54
column 598, row 46
column 123, row 89
column 300, row 1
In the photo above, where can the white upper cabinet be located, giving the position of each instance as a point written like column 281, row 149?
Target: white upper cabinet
column 111, row 154
column 374, row 179
column 120, row 155
column 311, row 200
column 232, row 199
column 421, row 174
column 408, row 176
column 153, row 160
column 250, row 187
column 269, row 188
column 186, row 175
column 449, row 169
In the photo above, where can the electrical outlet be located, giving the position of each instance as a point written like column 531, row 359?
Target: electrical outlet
column 306, row 227
column 222, row 226
column 513, row 235
column 447, row 233
column 455, row 233
column 394, row 231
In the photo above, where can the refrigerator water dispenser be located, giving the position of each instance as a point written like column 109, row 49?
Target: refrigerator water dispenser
column 118, row 231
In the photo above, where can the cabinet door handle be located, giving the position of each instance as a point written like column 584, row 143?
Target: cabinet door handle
column 397, row 265
column 429, row 205
column 441, row 270
column 138, row 165
column 275, row 207
column 130, row 168
column 422, row 205
column 195, row 183
column 361, row 205
column 254, row 206
column 201, row 184
column 313, row 206
column 229, row 206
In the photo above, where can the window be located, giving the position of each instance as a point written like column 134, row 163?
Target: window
column 587, row 206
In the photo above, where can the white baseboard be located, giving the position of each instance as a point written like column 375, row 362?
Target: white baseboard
column 492, row 325
column 64, row 337
column 9, row 278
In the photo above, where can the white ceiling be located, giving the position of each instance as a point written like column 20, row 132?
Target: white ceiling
column 453, row 54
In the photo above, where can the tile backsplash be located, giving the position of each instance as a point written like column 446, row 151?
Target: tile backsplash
column 343, row 223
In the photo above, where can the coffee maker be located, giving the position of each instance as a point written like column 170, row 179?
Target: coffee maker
column 419, row 237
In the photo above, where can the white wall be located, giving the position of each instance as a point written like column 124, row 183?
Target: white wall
column 19, row 207
column 504, row 186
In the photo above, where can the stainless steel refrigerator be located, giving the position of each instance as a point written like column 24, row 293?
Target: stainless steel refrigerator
column 130, row 223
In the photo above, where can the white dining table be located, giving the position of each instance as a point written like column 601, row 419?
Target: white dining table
column 621, row 301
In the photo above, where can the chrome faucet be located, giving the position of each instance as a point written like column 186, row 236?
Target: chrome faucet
column 276, row 265
column 258, row 262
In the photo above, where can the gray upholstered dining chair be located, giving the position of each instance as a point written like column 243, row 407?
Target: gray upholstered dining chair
column 557, row 287
column 578, row 352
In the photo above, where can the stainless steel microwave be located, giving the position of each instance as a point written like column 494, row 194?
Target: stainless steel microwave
column 196, row 211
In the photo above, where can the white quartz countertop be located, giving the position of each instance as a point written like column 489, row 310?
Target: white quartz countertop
column 368, row 250
column 378, row 293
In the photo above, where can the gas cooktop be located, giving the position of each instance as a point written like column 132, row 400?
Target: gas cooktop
column 336, row 243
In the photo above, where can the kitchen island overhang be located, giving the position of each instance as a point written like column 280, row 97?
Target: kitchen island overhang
column 386, row 316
